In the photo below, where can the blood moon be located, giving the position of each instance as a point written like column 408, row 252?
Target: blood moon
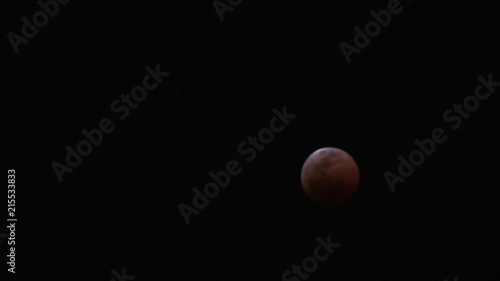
column 330, row 176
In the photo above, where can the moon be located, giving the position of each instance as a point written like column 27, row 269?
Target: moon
column 330, row 176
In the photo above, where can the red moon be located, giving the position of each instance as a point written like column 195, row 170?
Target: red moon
column 330, row 176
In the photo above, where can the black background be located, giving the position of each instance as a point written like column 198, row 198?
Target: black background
column 119, row 207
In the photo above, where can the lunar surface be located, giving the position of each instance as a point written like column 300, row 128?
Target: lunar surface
column 330, row 176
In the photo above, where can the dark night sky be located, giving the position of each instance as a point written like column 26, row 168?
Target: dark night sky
column 119, row 207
